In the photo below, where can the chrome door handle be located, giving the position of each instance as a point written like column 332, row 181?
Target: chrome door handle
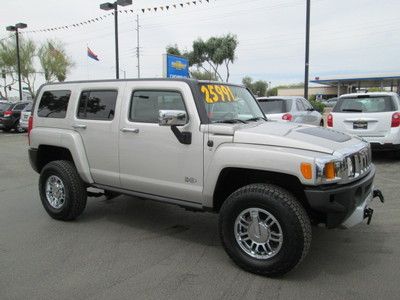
column 77, row 126
column 132, row 130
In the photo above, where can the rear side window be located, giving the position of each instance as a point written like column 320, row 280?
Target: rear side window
column 145, row 105
column 54, row 104
column 275, row 106
column 97, row 105
column 365, row 104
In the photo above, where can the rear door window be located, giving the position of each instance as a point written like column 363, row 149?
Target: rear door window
column 19, row 107
column 54, row 104
column 300, row 105
column 97, row 105
column 365, row 104
column 5, row 106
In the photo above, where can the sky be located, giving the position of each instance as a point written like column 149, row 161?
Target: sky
column 347, row 36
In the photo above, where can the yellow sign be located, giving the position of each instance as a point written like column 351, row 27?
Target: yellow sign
column 178, row 65
column 213, row 93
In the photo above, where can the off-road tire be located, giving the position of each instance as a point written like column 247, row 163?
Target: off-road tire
column 75, row 190
column 293, row 220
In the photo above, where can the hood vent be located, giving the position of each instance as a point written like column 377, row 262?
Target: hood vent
column 325, row 133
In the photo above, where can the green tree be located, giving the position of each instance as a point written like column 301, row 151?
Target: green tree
column 212, row 53
column 52, row 58
column 201, row 75
column 54, row 61
column 258, row 88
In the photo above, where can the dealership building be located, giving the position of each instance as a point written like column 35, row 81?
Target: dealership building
column 328, row 87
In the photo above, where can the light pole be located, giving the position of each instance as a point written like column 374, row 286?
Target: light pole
column 307, row 60
column 15, row 28
column 109, row 6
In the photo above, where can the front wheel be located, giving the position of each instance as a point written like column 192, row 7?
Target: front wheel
column 62, row 191
column 264, row 229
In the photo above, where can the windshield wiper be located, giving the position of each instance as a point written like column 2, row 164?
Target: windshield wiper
column 230, row 121
column 352, row 110
column 256, row 119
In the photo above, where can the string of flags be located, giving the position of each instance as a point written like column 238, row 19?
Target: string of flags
column 126, row 11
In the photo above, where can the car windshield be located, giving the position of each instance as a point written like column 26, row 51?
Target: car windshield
column 365, row 104
column 4, row 106
column 275, row 106
column 228, row 103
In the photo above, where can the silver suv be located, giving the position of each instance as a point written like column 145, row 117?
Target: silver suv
column 205, row 146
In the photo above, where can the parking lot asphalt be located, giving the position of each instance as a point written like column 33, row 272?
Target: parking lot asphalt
column 128, row 248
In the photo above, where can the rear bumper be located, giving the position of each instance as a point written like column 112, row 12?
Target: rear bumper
column 385, row 147
column 6, row 122
column 340, row 203
column 23, row 124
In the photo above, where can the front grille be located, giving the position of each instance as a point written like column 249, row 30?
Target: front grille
column 361, row 161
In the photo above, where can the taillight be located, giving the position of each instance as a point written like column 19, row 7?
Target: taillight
column 396, row 119
column 30, row 126
column 287, row 117
column 8, row 113
column 329, row 121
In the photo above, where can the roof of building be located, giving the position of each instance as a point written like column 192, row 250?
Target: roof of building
column 366, row 80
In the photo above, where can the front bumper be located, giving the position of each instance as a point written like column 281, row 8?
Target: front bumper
column 343, row 205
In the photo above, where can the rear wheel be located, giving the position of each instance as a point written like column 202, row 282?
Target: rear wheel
column 321, row 123
column 6, row 129
column 62, row 191
column 264, row 229
column 18, row 128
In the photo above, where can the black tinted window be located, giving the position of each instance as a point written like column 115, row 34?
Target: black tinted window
column 275, row 106
column 97, row 105
column 146, row 104
column 20, row 107
column 53, row 104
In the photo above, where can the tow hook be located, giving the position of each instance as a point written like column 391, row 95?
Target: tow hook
column 378, row 193
column 368, row 212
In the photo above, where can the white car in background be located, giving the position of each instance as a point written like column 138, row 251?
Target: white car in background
column 373, row 116
column 290, row 109
column 25, row 114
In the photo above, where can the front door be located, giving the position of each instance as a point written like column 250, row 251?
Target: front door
column 152, row 160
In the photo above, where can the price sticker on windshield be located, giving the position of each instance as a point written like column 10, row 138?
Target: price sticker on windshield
column 213, row 93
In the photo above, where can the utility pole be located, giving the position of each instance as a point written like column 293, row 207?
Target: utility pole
column 307, row 60
column 138, row 45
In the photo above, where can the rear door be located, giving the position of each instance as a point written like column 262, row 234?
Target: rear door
column 364, row 115
column 95, row 118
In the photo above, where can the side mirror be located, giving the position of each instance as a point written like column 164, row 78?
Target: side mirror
column 172, row 118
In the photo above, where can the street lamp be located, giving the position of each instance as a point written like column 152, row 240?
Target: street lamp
column 109, row 6
column 307, row 60
column 15, row 28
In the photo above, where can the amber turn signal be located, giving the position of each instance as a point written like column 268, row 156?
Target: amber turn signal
column 330, row 172
column 306, row 170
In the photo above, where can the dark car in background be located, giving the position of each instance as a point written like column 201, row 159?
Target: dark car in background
column 10, row 114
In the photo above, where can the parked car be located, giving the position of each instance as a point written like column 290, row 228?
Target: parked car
column 156, row 139
column 25, row 114
column 10, row 114
column 330, row 102
column 290, row 109
column 373, row 116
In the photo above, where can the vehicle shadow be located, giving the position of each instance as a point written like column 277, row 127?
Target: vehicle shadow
column 332, row 251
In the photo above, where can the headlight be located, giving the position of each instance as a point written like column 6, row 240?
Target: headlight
column 332, row 171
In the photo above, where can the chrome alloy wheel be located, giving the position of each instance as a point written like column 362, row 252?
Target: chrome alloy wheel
column 258, row 233
column 55, row 192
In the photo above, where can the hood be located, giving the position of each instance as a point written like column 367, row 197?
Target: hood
column 292, row 135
